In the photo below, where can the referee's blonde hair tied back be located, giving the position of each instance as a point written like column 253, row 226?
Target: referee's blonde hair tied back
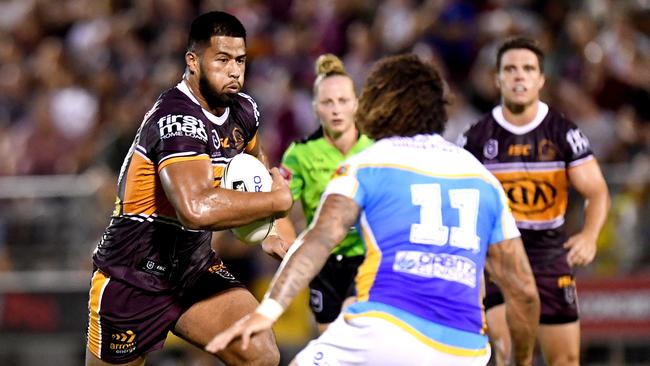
column 327, row 65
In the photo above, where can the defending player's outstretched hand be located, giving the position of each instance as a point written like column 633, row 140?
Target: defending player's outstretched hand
column 244, row 328
column 275, row 246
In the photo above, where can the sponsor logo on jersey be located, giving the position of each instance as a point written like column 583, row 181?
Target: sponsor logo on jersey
column 491, row 149
column 238, row 139
column 220, row 269
column 235, row 140
column 569, row 285
column 319, row 359
column 341, row 171
column 578, row 141
column 530, row 195
column 519, row 150
column 152, row 267
column 176, row 125
column 448, row 267
column 546, row 150
column 216, row 142
column 122, row 342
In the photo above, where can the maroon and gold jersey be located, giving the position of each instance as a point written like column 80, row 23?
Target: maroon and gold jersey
column 531, row 162
column 145, row 244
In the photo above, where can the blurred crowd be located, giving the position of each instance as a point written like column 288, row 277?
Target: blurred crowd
column 76, row 77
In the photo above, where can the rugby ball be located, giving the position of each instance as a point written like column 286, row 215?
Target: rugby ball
column 246, row 173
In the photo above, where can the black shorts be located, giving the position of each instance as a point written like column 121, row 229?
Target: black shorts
column 332, row 286
column 126, row 322
column 557, row 296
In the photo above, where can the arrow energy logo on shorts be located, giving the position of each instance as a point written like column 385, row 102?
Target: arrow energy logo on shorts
column 123, row 342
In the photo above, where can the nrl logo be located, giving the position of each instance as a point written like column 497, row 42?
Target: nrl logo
column 491, row 149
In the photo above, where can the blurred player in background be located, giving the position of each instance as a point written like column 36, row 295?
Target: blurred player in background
column 309, row 165
column 154, row 268
column 536, row 152
column 429, row 214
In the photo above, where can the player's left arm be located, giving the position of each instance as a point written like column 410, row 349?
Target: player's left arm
column 274, row 244
column 304, row 261
column 588, row 180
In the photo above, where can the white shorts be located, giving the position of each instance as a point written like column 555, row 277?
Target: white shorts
column 373, row 341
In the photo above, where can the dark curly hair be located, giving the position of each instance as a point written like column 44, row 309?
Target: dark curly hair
column 514, row 43
column 214, row 23
column 402, row 96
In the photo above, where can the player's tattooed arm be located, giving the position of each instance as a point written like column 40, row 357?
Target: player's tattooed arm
column 311, row 250
column 508, row 266
column 304, row 260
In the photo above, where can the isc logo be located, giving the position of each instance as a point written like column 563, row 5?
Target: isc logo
column 519, row 150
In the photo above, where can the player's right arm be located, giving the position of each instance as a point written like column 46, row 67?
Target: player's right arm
column 200, row 206
column 508, row 266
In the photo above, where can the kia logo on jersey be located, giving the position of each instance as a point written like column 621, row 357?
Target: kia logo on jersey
column 530, row 196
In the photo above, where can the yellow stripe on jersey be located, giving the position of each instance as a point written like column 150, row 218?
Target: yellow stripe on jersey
column 426, row 172
column 368, row 269
column 143, row 194
column 456, row 351
column 481, row 296
column 217, row 171
column 98, row 284
column 139, row 187
column 252, row 144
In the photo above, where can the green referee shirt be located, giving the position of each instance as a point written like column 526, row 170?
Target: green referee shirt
column 311, row 164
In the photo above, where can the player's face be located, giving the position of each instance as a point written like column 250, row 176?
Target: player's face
column 335, row 104
column 221, row 70
column 519, row 79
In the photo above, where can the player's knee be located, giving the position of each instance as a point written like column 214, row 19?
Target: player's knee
column 564, row 359
column 501, row 350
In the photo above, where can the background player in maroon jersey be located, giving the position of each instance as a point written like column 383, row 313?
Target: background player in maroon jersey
column 154, row 268
column 536, row 152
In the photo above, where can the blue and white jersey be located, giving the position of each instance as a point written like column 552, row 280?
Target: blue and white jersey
column 429, row 211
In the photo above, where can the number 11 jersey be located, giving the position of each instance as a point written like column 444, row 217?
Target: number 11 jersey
column 429, row 211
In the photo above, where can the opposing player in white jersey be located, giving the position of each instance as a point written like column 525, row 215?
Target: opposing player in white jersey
column 429, row 214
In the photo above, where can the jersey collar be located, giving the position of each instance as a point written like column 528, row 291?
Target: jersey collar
column 218, row 120
column 542, row 111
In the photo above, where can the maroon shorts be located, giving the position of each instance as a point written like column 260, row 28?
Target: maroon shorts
column 557, row 295
column 126, row 322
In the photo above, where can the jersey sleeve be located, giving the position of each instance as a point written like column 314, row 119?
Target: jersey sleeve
column 290, row 169
column 346, row 183
column 574, row 144
column 505, row 226
column 176, row 137
column 250, row 120
column 469, row 142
